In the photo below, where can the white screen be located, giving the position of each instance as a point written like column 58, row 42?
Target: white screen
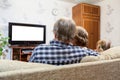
column 25, row 33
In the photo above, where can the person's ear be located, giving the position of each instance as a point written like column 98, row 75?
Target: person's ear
column 55, row 36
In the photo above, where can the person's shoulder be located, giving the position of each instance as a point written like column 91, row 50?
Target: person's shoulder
column 88, row 49
column 77, row 47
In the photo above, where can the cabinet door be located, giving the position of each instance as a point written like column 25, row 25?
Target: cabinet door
column 90, row 10
column 92, row 26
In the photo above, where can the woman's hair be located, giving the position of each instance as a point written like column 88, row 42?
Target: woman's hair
column 102, row 45
column 64, row 29
column 81, row 37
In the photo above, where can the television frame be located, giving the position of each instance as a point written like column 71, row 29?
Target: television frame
column 25, row 43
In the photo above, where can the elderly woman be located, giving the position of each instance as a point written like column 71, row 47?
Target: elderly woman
column 81, row 37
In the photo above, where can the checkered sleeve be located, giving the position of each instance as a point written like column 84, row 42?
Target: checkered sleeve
column 91, row 52
column 33, row 56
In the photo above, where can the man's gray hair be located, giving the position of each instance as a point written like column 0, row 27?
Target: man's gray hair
column 64, row 29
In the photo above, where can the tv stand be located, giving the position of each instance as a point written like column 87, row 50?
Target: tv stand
column 21, row 53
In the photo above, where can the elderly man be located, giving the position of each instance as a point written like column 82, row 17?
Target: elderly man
column 60, row 51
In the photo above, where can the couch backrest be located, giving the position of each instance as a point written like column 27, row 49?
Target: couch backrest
column 11, row 65
column 99, row 70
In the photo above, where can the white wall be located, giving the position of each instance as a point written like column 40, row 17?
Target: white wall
column 110, row 21
column 33, row 11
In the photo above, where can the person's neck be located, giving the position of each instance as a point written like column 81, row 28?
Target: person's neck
column 66, row 42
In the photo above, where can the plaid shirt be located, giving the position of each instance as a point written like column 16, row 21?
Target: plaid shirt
column 59, row 53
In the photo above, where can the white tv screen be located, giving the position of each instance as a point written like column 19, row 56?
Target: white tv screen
column 21, row 33
column 25, row 33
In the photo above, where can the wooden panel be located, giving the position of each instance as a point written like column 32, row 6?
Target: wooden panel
column 91, row 10
column 92, row 26
column 76, row 14
column 96, row 11
column 87, row 9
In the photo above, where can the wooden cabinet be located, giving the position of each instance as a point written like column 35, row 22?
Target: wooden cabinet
column 88, row 16
column 21, row 53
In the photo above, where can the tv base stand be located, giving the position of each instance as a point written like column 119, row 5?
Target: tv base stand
column 21, row 53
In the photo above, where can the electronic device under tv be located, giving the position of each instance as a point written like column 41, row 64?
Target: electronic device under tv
column 26, row 34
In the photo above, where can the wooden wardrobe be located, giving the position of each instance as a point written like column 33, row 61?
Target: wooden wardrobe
column 88, row 16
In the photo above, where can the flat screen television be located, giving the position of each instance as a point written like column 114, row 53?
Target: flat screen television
column 26, row 34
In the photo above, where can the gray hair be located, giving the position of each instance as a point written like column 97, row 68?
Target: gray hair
column 64, row 29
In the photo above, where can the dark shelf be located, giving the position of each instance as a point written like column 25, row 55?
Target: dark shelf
column 21, row 53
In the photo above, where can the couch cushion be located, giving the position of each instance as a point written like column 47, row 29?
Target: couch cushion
column 90, row 59
column 9, row 65
column 111, row 53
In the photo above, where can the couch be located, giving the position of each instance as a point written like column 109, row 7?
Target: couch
column 97, row 70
